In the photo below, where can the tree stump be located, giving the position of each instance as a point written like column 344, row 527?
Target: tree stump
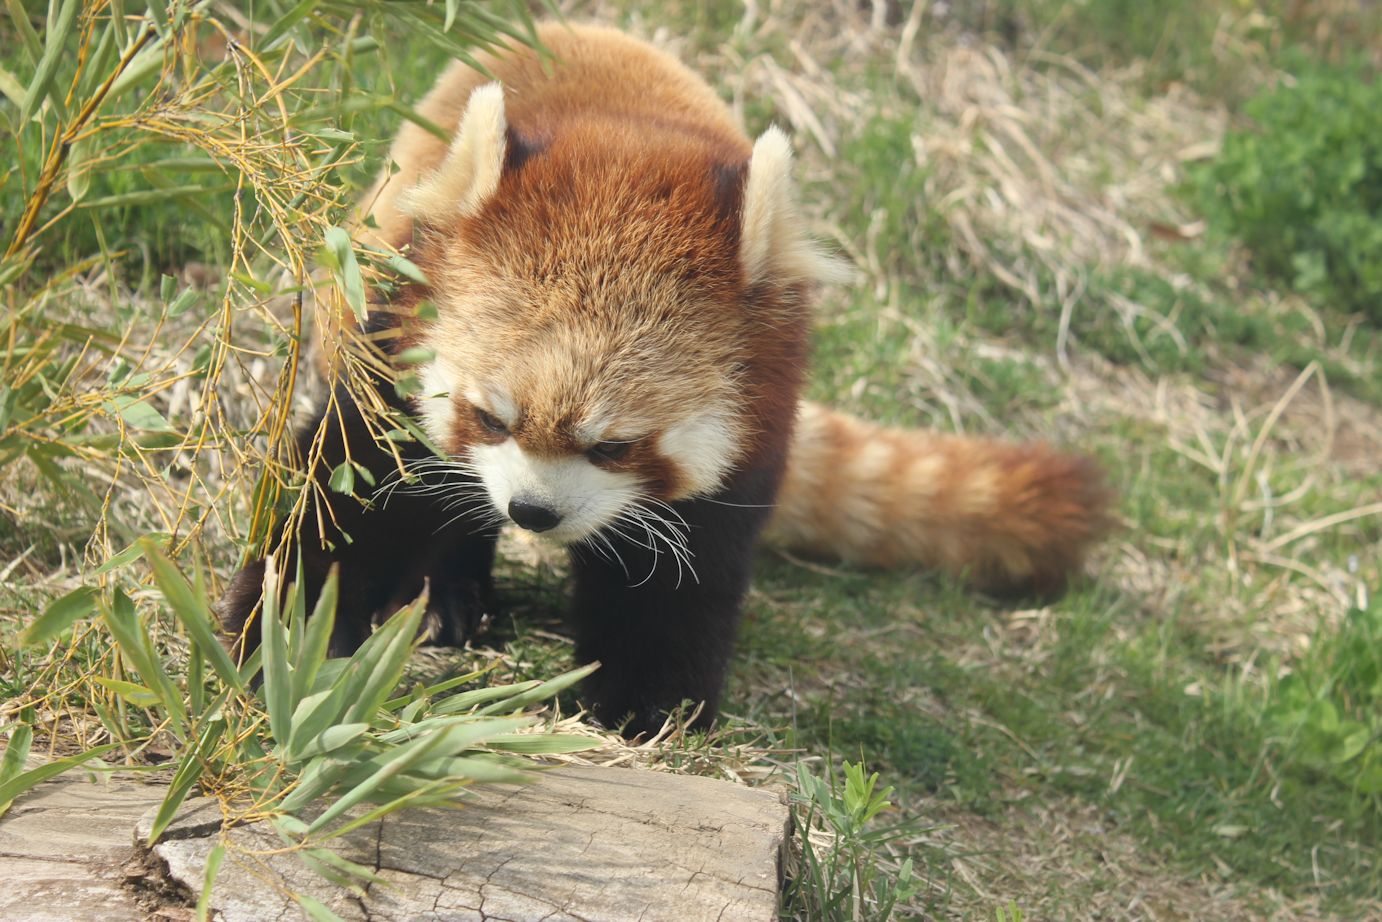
column 580, row 844
column 63, row 851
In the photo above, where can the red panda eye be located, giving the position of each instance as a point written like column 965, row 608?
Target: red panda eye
column 492, row 423
column 608, row 451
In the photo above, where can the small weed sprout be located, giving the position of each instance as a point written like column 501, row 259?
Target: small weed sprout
column 841, row 869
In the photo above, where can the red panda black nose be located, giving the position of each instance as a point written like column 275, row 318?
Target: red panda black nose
column 533, row 517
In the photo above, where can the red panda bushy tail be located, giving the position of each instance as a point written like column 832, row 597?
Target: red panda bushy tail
column 1008, row 517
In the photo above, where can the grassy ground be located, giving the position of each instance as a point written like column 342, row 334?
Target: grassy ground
column 1008, row 179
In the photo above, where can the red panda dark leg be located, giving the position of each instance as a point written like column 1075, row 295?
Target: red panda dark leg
column 385, row 547
column 662, row 635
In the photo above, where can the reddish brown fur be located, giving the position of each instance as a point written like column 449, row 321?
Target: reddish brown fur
column 1006, row 516
column 604, row 271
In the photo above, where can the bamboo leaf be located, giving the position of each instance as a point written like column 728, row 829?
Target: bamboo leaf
column 135, row 694
column 213, row 867
column 431, row 691
column 158, row 9
column 320, row 775
column 542, row 743
column 386, row 659
column 17, row 785
column 130, row 554
column 445, row 788
column 59, row 616
column 317, row 639
column 11, row 88
column 189, row 772
column 392, row 764
column 347, row 271
column 315, row 910
column 192, row 611
column 277, row 690
column 329, row 740
column 476, row 697
column 342, row 478
column 136, row 413
column 16, row 752
column 54, row 50
column 481, row 769
column 543, row 691
column 122, row 621
column 286, row 22
column 79, row 168
column 33, row 45
column 155, row 196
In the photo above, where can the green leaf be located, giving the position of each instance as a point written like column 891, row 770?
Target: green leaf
column 33, row 45
column 317, row 639
column 315, row 910
column 79, row 168
column 135, row 694
column 347, row 271
column 406, row 268
column 384, row 655
column 277, row 690
column 431, row 691
column 424, row 793
column 11, row 88
column 543, row 691
column 188, row 773
column 542, row 743
column 13, row 787
column 185, row 299
column 59, row 616
column 478, row 696
column 54, row 51
column 16, row 752
column 329, row 740
column 192, row 611
column 342, row 478
column 284, row 24
column 392, row 764
column 320, row 775
column 213, row 867
column 416, row 355
column 155, row 196
column 136, row 413
column 137, row 648
column 130, row 554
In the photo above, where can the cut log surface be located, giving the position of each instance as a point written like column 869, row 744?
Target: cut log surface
column 63, row 849
column 579, row 845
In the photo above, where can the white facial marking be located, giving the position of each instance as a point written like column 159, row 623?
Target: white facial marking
column 495, row 400
column 586, row 497
column 703, row 448
column 438, row 409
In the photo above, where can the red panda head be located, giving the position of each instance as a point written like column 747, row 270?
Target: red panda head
column 605, row 291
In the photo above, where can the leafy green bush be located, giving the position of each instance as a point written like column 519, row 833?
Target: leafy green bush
column 317, row 730
column 1327, row 714
column 1302, row 186
column 840, row 869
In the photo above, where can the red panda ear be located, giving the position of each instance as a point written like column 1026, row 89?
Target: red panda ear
column 773, row 247
column 470, row 173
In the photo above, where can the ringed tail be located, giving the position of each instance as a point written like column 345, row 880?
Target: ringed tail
column 1010, row 518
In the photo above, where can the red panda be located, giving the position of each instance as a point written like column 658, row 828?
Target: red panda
column 622, row 286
